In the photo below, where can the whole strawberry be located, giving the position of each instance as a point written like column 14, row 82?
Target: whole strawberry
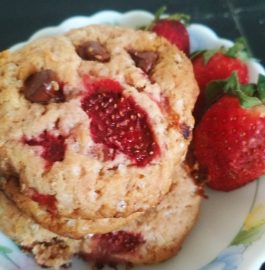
column 229, row 142
column 173, row 28
column 219, row 64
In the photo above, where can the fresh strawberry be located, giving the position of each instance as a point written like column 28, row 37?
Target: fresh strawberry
column 173, row 28
column 229, row 142
column 218, row 65
column 118, row 122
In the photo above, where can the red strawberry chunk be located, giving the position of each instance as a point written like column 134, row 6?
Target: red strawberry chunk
column 53, row 147
column 230, row 143
column 119, row 123
column 118, row 242
column 106, row 248
column 44, row 200
column 175, row 32
column 106, row 85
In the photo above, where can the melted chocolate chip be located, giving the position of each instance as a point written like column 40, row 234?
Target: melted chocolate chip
column 43, row 87
column 93, row 50
column 185, row 130
column 144, row 60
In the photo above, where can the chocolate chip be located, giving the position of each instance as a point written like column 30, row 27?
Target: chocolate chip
column 185, row 130
column 144, row 60
column 93, row 50
column 43, row 87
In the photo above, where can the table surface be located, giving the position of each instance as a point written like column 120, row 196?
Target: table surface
column 229, row 18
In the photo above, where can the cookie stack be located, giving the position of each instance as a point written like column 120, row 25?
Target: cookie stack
column 95, row 126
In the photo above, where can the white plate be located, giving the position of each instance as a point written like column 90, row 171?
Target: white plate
column 230, row 233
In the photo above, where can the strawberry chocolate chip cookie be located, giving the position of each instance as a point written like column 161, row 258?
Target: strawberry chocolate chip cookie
column 91, row 124
column 145, row 240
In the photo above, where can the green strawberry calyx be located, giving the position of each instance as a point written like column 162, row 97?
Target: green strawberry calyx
column 160, row 15
column 238, row 50
column 249, row 95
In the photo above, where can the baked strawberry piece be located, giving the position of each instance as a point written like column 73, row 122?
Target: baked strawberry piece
column 229, row 142
column 46, row 201
column 173, row 28
column 105, row 247
column 119, row 123
column 53, row 147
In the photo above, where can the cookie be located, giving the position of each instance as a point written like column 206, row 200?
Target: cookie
column 95, row 120
column 75, row 228
column 47, row 248
column 156, row 236
column 146, row 240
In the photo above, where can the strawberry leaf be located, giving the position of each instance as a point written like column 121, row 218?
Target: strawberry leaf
column 248, row 89
column 248, row 102
column 261, row 87
column 157, row 16
column 232, row 85
column 247, row 94
column 218, row 88
column 182, row 17
column 195, row 54
column 238, row 50
column 159, row 13
column 214, row 91
column 207, row 55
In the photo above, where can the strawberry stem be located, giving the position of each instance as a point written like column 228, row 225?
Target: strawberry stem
column 182, row 17
column 244, row 93
column 207, row 55
column 261, row 88
column 160, row 14
column 249, row 94
column 238, row 50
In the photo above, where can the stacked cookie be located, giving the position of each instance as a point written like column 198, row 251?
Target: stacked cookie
column 95, row 126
